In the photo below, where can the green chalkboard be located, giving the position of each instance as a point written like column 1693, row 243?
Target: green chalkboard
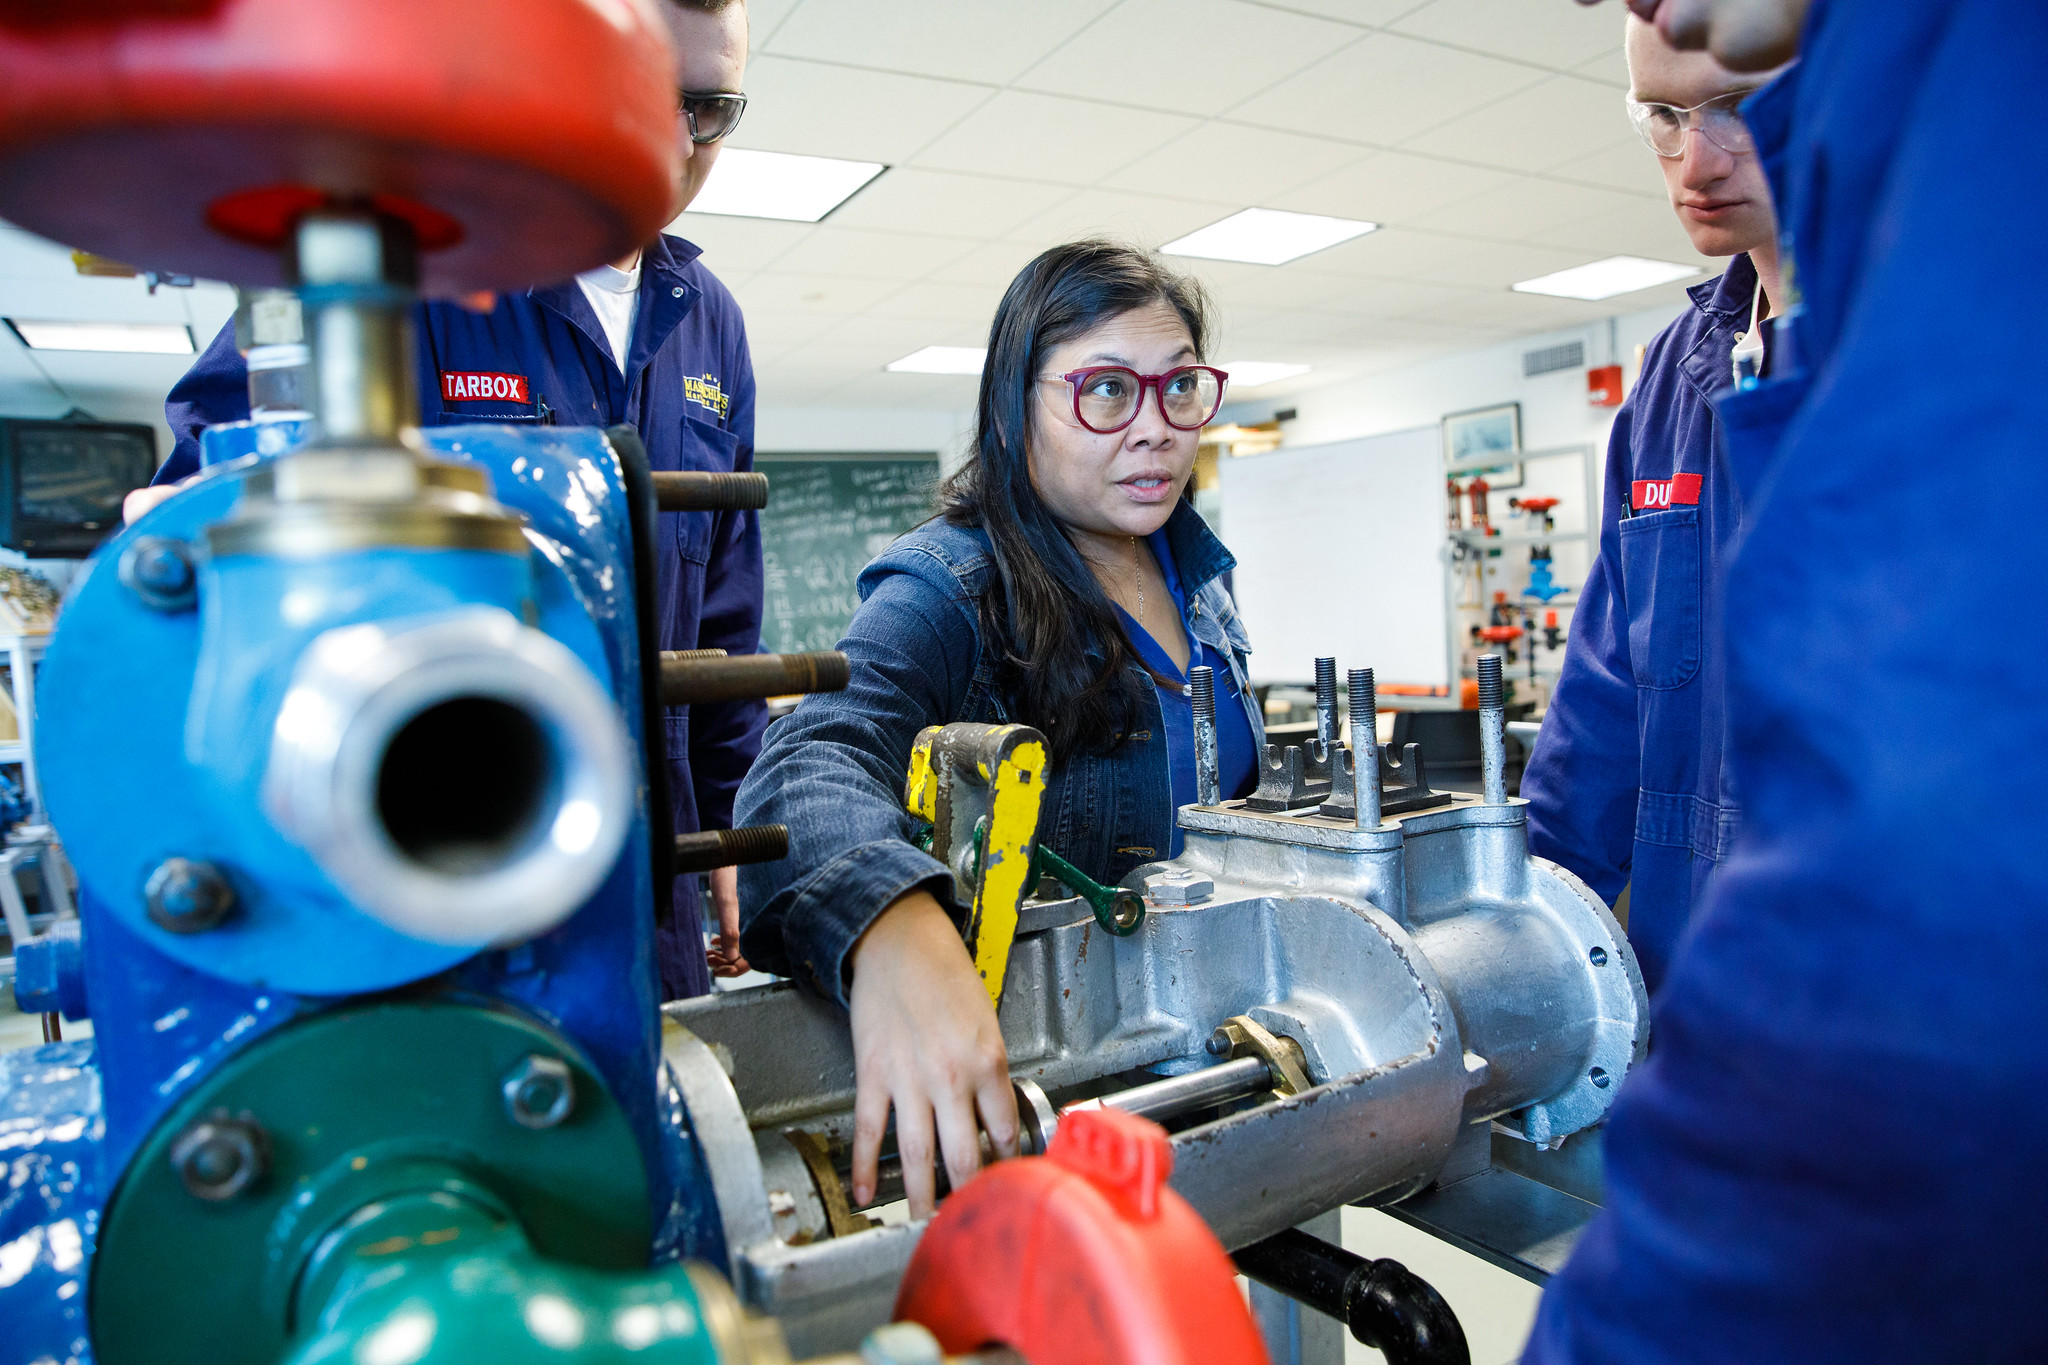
column 826, row 518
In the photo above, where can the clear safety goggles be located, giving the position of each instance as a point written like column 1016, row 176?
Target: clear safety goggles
column 1664, row 126
column 712, row 116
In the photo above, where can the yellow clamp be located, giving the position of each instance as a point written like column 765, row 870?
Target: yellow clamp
column 980, row 786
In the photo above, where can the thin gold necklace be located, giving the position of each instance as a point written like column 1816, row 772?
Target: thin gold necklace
column 1138, row 577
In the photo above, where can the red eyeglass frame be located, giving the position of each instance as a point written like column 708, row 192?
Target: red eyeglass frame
column 1076, row 378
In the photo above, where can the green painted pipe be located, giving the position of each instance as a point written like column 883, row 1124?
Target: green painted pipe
column 445, row 1276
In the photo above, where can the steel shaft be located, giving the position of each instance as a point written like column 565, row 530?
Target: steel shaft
column 693, row 490
column 688, row 682
column 1208, row 779
column 1365, row 749
column 1493, row 717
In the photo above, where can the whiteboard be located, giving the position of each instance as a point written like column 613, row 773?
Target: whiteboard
column 1340, row 551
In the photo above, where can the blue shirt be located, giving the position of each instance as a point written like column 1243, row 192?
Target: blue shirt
column 1236, row 767
column 688, row 387
column 1627, row 784
column 1832, row 1153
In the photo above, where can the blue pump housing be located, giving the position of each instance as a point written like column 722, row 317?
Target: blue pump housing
column 135, row 772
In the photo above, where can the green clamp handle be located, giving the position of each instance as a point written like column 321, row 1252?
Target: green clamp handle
column 1118, row 909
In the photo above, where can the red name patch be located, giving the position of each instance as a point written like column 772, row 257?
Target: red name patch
column 1652, row 495
column 471, row 387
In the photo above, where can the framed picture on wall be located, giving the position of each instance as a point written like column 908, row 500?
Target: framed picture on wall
column 1473, row 438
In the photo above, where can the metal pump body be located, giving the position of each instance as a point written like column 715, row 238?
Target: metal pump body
column 1428, row 977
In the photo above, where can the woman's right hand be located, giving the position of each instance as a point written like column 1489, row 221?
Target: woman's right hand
column 926, row 1043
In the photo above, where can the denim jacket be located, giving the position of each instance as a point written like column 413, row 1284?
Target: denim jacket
column 833, row 769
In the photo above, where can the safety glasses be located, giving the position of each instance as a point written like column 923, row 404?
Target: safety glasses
column 1664, row 126
column 1107, row 397
column 711, row 116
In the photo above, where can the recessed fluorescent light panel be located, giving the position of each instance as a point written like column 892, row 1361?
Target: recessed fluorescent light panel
column 941, row 360
column 132, row 338
column 797, row 189
column 1267, row 237
column 1250, row 374
column 1605, row 279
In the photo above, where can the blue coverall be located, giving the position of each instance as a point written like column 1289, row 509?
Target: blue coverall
column 689, row 389
column 1627, row 783
column 1833, row 1152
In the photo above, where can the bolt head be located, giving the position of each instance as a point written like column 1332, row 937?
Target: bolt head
column 159, row 570
column 220, row 1156
column 1179, row 888
column 540, row 1092
column 188, row 896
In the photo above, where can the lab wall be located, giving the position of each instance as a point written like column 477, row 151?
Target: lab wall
column 1365, row 453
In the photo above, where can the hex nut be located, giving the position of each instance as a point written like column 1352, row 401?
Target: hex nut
column 901, row 1343
column 159, row 570
column 1179, row 888
column 540, row 1092
column 188, row 895
column 221, row 1155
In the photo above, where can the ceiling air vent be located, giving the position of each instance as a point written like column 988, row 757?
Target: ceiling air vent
column 1551, row 359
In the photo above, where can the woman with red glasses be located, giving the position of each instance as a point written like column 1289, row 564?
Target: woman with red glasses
column 1067, row 585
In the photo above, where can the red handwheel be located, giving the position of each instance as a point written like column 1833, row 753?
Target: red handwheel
column 525, row 140
column 1081, row 1257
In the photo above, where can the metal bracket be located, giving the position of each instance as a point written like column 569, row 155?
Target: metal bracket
column 1404, row 786
column 1291, row 778
column 1246, row 1037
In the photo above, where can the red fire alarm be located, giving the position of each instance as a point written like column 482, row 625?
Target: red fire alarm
column 1603, row 386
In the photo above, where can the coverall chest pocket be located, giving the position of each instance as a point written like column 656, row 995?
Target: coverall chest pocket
column 1660, row 570
column 712, row 450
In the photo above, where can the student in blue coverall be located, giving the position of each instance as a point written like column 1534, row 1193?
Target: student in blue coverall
column 656, row 341
column 1832, row 1153
column 1627, row 786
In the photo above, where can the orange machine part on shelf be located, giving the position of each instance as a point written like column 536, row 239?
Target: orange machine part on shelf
column 1084, row 1256
column 524, row 139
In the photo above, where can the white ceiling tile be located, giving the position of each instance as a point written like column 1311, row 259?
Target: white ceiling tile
column 1283, row 287
column 1390, row 188
column 995, row 264
column 1396, row 254
column 1609, row 68
column 939, row 301
column 1385, row 89
column 1638, row 228
column 971, row 40
column 1529, row 205
column 1050, row 137
column 837, row 296
column 944, row 203
column 835, row 249
column 772, row 331
column 1623, row 165
column 734, row 246
column 1553, row 35
column 1142, row 219
column 1402, row 298
column 764, row 17
column 1533, row 127
column 1195, row 56
column 1224, row 159
column 1496, row 265
column 820, row 109
column 1366, row 13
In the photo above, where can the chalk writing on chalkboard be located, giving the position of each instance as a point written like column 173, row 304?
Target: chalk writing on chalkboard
column 826, row 518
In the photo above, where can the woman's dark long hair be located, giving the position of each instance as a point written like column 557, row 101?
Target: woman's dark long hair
column 1066, row 665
